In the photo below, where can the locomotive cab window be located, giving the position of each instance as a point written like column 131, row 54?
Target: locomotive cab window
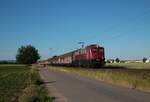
column 94, row 50
column 83, row 51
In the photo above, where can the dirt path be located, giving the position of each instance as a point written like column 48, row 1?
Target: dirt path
column 72, row 88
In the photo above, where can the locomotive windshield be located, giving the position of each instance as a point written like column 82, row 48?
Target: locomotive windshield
column 94, row 50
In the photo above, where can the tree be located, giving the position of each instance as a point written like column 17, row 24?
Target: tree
column 27, row 55
column 108, row 61
column 144, row 60
column 117, row 60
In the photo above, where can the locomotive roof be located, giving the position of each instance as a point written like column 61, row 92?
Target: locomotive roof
column 70, row 53
column 67, row 54
column 92, row 45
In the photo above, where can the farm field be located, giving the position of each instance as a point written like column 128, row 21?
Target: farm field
column 130, row 65
column 16, row 79
column 12, row 80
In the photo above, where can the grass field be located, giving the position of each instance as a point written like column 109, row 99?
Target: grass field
column 136, row 79
column 20, row 83
column 12, row 80
column 130, row 65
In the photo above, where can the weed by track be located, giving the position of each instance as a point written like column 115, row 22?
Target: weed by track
column 138, row 79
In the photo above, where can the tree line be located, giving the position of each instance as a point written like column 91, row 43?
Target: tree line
column 117, row 60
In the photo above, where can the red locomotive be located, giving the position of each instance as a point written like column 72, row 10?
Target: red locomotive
column 90, row 56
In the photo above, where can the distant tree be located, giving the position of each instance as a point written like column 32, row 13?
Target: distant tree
column 54, row 56
column 144, row 60
column 27, row 55
column 122, row 61
column 112, row 60
column 108, row 61
column 7, row 62
column 117, row 60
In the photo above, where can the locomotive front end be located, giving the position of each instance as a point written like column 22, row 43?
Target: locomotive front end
column 96, row 55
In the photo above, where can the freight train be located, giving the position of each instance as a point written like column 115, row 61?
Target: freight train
column 89, row 56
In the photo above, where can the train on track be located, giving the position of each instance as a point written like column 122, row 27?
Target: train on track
column 89, row 56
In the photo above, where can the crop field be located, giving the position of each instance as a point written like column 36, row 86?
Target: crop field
column 138, row 79
column 130, row 65
column 16, row 79
column 12, row 80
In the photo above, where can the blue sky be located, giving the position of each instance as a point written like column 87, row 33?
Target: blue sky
column 121, row 26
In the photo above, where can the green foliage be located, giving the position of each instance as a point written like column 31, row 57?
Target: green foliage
column 144, row 60
column 117, row 60
column 27, row 55
column 35, row 77
column 21, row 83
column 12, row 80
column 7, row 62
column 108, row 61
column 35, row 93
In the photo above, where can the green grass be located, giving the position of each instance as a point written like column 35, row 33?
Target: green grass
column 16, row 79
column 122, row 78
column 12, row 80
column 130, row 65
